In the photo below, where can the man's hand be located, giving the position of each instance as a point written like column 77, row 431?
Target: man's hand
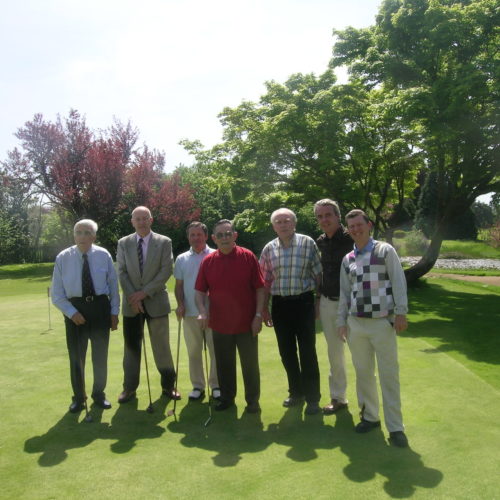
column 136, row 297
column 78, row 319
column 203, row 320
column 400, row 323
column 342, row 332
column 266, row 318
column 256, row 325
column 114, row 322
column 137, row 308
column 180, row 311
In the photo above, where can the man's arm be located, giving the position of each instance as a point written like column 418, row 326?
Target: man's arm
column 59, row 298
column 343, row 309
column 200, row 298
column 398, row 282
column 121, row 261
column 179, row 297
column 257, row 320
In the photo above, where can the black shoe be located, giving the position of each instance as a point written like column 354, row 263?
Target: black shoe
column 172, row 394
column 224, row 405
column 334, row 407
column 399, row 439
column 76, row 406
column 126, row 396
column 102, row 403
column 312, row 409
column 252, row 408
column 366, row 426
column 293, row 401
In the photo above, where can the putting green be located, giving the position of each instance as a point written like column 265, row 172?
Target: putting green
column 451, row 416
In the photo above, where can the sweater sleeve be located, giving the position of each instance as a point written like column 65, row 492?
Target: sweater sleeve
column 398, row 281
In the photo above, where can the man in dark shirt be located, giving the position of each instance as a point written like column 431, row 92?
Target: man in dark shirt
column 333, row 244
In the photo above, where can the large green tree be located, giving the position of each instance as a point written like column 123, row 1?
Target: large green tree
column 440, row 60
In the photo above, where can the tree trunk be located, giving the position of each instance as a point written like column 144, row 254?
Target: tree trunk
column 426, row 263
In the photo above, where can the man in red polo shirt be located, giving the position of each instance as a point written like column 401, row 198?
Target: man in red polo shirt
column 232, row 277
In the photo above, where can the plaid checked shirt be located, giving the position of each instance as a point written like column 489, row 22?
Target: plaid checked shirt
column 292, row 270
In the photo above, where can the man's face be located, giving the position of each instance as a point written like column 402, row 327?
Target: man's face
column 84, row 237
column 284, row 225
column 328, row 221
column 359, row 230
column 224, row 237
column 142, row 220
column 197, row 239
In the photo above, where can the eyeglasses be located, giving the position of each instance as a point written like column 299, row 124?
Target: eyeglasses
column 226, row 234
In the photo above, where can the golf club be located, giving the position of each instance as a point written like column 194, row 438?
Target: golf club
column 209, row 419
column 149, row 409
column 88, row 416
column 172, row 412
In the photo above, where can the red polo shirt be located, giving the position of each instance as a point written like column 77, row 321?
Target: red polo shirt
column 231, row 281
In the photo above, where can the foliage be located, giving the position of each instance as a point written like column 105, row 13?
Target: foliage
column 439, row 58
column 101, row 175
column 416, row 243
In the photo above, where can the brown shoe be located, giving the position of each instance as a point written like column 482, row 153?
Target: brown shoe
column 334, row 407
column 126, row 396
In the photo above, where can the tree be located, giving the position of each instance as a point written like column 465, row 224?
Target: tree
column 439, row 58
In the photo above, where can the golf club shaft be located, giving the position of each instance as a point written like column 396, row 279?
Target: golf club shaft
column 82, row 374
column 177, row 361
column 207, row 382
column 141, row 318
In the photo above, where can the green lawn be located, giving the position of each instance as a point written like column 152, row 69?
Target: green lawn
column 450, row 378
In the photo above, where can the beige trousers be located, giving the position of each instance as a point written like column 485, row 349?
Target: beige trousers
column 371, row 339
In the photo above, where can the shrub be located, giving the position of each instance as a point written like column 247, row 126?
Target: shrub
column 416, row 243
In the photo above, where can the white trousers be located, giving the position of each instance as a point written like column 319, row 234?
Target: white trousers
column 338, row 376
column 369, row 339
column 193, row 335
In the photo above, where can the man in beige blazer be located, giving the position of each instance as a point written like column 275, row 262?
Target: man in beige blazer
column 145, row 263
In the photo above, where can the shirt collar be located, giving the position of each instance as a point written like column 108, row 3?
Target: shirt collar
column 203, row 252
column 367, row 249
column 145, row 239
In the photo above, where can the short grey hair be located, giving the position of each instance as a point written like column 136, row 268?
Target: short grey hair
column 89, row 223
column 285, row 210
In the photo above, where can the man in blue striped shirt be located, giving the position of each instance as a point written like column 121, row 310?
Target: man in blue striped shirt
column 291, row 267
column 90, row 305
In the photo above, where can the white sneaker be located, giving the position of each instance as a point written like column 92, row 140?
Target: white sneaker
column 196, row 394
column 216, row 393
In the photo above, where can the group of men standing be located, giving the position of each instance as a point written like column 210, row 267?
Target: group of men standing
column 353, row 283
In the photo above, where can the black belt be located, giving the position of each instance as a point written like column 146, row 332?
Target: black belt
column 293, row 297
column 334, row 299
column 88, row 298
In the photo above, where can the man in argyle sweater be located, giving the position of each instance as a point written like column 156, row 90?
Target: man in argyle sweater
column 372, row 311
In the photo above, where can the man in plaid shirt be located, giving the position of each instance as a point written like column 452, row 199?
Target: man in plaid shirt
column 291, row 267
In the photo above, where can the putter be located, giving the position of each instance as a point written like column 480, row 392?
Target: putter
column 88, row 416
column 209, row 419
column 172, row 412
column 149, row 409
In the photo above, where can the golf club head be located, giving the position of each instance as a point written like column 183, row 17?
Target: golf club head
column 150, row 409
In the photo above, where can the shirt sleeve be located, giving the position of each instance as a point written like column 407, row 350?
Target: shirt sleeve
column 266, row 267
column 201, row 280
column 178, row 270
column 58, row 293
column 345, row 292
column 398, row 281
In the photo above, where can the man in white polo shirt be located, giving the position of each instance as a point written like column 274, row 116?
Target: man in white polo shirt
column 186, row 269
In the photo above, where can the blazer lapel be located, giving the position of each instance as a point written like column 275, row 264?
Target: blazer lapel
column 151, row 255
column 132, row 248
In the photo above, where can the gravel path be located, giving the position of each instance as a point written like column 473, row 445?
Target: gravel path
column 458, row 263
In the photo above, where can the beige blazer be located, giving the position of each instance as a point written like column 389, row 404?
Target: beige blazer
column 156, row 270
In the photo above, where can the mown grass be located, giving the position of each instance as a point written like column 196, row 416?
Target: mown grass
column 450, row 378
column 456, row 249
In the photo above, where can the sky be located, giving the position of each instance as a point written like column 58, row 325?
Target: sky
column 168, row 66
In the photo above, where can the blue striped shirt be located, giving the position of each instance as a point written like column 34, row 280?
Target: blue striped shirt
column 67, row 278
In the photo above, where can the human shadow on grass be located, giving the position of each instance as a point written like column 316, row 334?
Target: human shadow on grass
column 459, row 314
column 370, row 454
column 302, row 434
column 70, row 432
column 130, row 424
column 226, row 435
